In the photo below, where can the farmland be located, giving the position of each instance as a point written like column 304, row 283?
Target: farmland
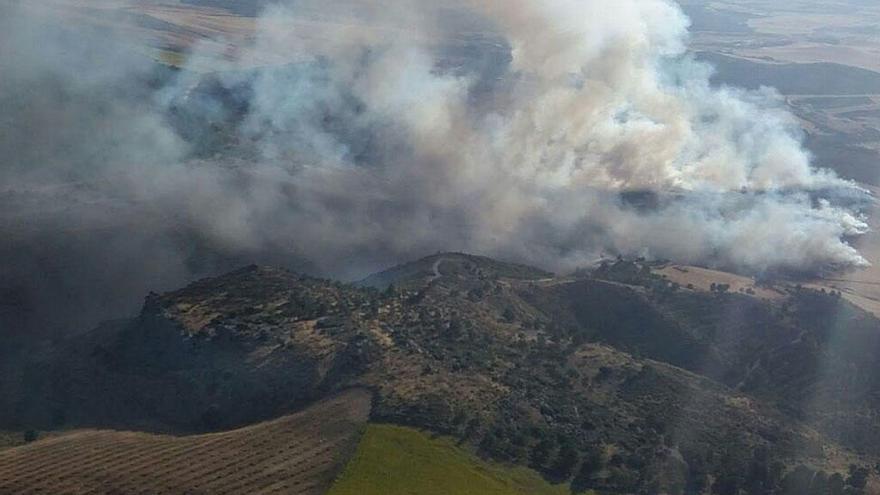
column 393, row 459
column 299, row 454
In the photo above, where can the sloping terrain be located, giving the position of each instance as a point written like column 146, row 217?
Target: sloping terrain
column 397, row 460
column 614, row 379
column 219, row 354
column 704, row 279
column 297, row 454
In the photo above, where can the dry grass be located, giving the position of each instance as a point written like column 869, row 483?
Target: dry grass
column 702, row 279
column 862, row 287
column 297, row 454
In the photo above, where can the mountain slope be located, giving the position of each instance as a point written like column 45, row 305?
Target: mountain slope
column 614, row 380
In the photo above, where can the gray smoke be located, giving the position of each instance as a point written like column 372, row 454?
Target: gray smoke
column 357, row 134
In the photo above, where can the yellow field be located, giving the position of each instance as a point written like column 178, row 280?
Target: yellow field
column 297, row 454
column 702, row 279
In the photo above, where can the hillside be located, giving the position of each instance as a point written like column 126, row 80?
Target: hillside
column 392, row 459
column 615, row 379
column 297, row 454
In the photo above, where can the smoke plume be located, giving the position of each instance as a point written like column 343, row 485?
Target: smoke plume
column 346, row 136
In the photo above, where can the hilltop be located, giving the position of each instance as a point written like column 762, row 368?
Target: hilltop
column 459, row 266
column 614, row 379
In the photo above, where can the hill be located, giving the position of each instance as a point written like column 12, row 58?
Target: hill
column 457, row 265
column 615, row 379
column 297, row 454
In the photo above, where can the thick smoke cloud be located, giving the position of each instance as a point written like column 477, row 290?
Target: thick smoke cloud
column 383, row 132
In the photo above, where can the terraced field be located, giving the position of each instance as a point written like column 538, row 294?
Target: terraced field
column 297, row 454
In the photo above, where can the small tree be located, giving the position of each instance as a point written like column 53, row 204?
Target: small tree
column 566, row 460
column 30, row 436
column 836, row 484
column 508, row 315
column 798, row 481
column 858, row 478
column 592, row 464
column 819, row 486
column 541, row 452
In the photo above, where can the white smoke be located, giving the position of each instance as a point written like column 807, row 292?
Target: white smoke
column 373, row 132
column 595, row 97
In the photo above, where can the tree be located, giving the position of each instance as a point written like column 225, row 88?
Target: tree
column 726, row 484
column 566, row 460
column 541, row 453
column 836, row 484
column 455, row 329
column 858, row 478
column 624, row 480
column 591, row 465
column 472, row 428
column 798, row 481
column 819, row 486
column 30, row 436
column 698, row 474
column 212, row 418
column 508, row 315
column 758, row 479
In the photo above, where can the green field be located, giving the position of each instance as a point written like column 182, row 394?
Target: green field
column 392, row 460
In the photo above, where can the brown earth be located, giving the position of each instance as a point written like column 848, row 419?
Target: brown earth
column 297, row 454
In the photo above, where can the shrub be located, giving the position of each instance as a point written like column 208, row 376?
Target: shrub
column 30, row 436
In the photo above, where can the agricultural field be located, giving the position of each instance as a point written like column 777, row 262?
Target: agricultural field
column 843, row 31
column 216, row 35
column 11, row 439
column 862, row 287
column 702, row 279
column 824, row 59
column 393, row 459
column 297, row 454
column 859, row 287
